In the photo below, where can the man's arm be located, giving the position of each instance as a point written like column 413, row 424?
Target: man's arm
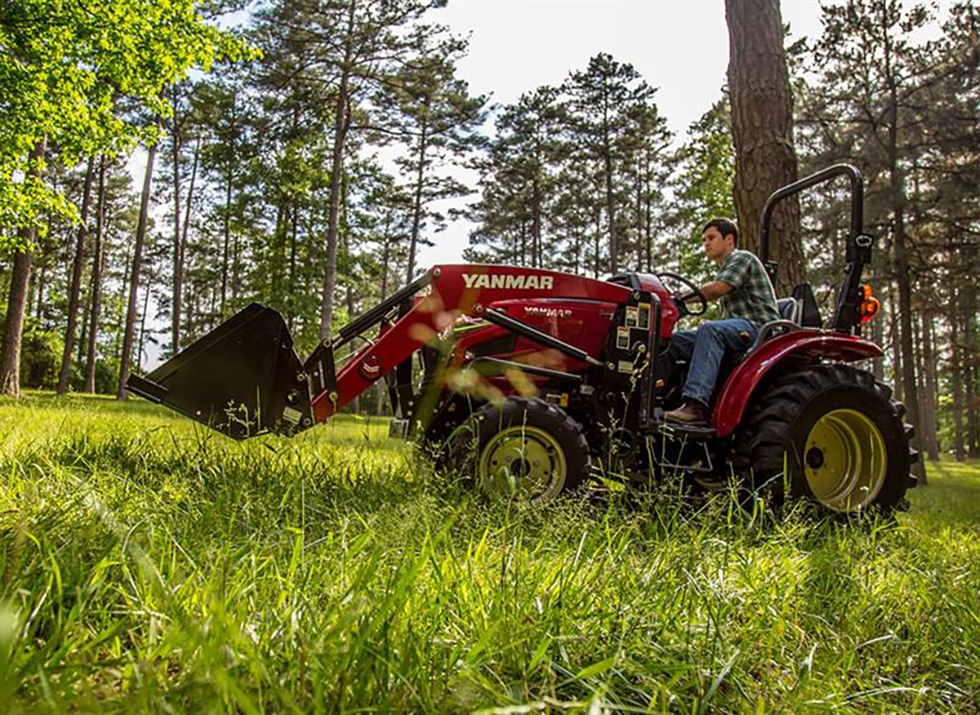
column 716, row 289
column 711, row 291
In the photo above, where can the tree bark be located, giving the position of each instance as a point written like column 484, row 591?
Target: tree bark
column 139, row 348
column 897, row 201
column 931, row 438
column 536, row 200
column 75, row 289
column 176, row 295
column 896, row 345
column 41, row 284
column 229, row 180
column 355, row 404
column 134, row 280
column 341, row 125
column 290, row 297
column 762, row 133
column 607, row 161
column 93, row 327
column 385, row 260
column 969, row 368
column 956, row 374
column 20, row 284
column 417, row 200
column 598, row 243
column 20, row 280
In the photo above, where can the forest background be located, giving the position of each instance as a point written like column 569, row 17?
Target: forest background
column 304, row 153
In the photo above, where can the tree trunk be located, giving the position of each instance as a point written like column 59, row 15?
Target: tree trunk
column 190, row 201
column 134, row 280
column 290, row 297
column 14, row 326
column 139, row 348
column 93, row 327
column 385, row 260
column 417, row 200
column 931, row 437
column 956, row 375
column 536, row 222
column 598, row 242
column 611, row 209
column 39, row 301
column 969, row 368
column 341, row 125
column 83, row 338
column 355, row 404
column 20, row 284
column 76, row 281
column 275, row 275
column 648, row 222
column 897, row 201
column 896, row 345
column 523, row 236
column 227, row 241
column 178, row 269
column 762, row 133
column 877, row 330
column 640, row 243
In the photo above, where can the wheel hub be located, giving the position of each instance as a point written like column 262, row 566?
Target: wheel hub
column 846, row 462
column 814, row 458
column 523, row 459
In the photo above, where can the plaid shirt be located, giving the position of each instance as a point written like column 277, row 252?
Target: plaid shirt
column 753, row 297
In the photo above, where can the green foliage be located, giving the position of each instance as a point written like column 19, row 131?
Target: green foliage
column 64, row 67
column 574, row 178
column 40, row 357
column 149, row 566
column 40, row 354
column 702, row 183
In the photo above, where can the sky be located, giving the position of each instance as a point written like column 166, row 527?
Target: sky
column 678, row 46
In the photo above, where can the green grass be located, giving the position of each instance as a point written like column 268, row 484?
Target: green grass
column 147, row 565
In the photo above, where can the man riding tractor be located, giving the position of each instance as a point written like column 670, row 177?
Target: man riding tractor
column 748, row 302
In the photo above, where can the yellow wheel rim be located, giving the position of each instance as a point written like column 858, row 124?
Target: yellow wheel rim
column 523, row 460
column 845, row 460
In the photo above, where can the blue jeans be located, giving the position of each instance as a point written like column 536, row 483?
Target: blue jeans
column 704, row 350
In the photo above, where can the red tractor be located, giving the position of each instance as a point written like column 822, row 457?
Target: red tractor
column 532, row 379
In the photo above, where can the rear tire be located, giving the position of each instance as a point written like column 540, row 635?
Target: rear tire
column 522, row 447
column 831, row 434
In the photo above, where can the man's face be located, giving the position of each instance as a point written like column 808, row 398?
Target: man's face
column 716, row 246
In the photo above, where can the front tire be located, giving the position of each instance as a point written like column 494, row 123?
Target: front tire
column 831, row 434
column 523, row 447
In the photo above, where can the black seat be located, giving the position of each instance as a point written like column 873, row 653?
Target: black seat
column 789, row 309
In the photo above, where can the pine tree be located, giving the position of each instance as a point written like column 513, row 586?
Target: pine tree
column 762, row 132
column 599, row 98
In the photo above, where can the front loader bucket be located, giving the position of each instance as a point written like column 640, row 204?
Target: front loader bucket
column 243, row 378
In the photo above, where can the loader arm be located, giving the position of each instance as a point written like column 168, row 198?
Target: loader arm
column 457, row 291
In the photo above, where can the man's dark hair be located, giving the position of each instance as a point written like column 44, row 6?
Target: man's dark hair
column 725, row 226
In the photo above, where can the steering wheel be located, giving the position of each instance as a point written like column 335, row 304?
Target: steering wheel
column 694, row 291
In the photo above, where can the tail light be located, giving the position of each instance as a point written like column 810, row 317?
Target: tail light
column 870, row 306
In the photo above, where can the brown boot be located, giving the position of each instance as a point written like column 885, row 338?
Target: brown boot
column 691, row 412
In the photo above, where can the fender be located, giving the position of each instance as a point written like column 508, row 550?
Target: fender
column 808, row 345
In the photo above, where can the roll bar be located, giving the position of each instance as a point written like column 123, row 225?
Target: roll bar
column 847, row 317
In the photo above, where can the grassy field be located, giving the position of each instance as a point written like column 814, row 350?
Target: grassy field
column 149, row 566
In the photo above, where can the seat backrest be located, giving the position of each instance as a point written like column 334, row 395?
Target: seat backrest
column 789, row 309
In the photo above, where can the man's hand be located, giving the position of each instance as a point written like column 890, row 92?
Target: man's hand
column 680, row 300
